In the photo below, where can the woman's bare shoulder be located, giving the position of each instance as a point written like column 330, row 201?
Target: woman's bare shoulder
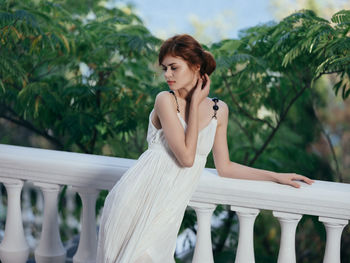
column 222, row 105
column 163, row 96
column 163, row 100
column 165, row 103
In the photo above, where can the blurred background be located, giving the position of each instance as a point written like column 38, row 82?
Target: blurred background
column 212, row 21
column 82, row 76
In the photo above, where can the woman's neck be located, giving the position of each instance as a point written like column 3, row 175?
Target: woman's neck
column 185, row 94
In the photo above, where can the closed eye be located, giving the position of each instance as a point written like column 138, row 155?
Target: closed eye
column 172, row 68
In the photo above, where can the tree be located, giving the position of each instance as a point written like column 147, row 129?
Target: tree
column 269, row 77
column 43, row 87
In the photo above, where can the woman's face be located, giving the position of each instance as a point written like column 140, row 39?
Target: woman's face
column 178, row 74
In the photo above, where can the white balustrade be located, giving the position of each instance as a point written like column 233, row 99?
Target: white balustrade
column 288, row 224
column 87, row 248
column 203, row 252
column 14, row 247
column 245, row 249
column 50, row 248
column 88, row 174
column 334, row 228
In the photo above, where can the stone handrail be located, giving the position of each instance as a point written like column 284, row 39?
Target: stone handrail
column 87, row 174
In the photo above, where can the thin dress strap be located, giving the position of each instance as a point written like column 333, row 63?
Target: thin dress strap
column 177, row 104
column 215, row 107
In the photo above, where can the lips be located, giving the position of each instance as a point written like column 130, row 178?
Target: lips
column 170, row 82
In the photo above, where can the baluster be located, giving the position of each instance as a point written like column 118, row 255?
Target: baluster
column 87, row 248
column 288, row 224
column 50, row 248
column 203, row 252
column 334, row 228
column 245, row 249
column 14, row 247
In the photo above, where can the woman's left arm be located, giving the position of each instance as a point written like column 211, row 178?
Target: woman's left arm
column 229, row 169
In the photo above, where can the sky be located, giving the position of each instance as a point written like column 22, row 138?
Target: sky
column 217, row 19
column 213, row 20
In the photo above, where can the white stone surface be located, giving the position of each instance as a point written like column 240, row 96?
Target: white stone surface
column 334, row 228
column 289, row 224
column 203, row 251
column 14, row 247
column 87, row 248
column 328, row 200
column 245, row 249
column 50, row 248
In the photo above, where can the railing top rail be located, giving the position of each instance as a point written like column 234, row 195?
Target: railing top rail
column 101, row 172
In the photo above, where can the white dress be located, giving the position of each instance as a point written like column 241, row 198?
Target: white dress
column 143, row 212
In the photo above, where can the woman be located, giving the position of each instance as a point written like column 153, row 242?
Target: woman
column 143, row 212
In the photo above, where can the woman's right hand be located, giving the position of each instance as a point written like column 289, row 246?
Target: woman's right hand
column 200, row 93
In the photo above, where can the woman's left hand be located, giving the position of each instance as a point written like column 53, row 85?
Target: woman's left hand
column 288, row 178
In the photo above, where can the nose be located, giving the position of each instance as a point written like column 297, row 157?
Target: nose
column 167, row 73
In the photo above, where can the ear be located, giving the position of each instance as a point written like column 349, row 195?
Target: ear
column 197, row 68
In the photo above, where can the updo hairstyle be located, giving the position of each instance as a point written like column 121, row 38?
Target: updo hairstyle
column 186, row 47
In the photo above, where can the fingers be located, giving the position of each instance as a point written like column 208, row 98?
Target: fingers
column 208, row 80
column 292, row 178
column 199, row 83
column 304, row 178
column 207, row 84
column 308, row 180
column 295, row 184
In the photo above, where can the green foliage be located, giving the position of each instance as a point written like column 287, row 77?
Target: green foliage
column 44, row 87
column 330, row 42
column 268, row 78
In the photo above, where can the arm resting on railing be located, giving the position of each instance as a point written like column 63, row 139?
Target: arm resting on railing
column 229, row 169
column 238, row 171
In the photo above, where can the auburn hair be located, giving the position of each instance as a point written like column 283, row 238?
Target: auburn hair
column 186, row 47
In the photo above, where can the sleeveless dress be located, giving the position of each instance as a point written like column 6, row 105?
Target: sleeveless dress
column 142, row 213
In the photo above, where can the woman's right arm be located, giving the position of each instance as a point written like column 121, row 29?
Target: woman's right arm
column 182, row 143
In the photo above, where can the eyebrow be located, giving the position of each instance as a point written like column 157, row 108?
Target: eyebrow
column 169, row 64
